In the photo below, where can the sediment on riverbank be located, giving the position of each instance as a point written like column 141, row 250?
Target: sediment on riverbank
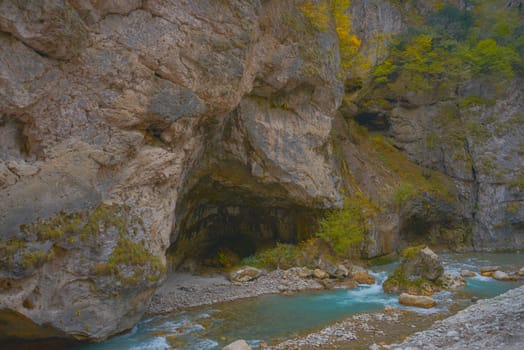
column 183, row 290
column 495, row 324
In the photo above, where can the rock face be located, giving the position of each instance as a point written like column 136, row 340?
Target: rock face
column 476, row 144
column 137, row 133
column 124, row 124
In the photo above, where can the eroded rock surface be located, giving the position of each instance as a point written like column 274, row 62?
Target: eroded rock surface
column 135, row 130
column 113, row 111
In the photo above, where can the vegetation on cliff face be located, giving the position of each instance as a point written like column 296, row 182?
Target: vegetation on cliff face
column 129, row 261
column 321, row 13
column 483, row 40
column 344, row 229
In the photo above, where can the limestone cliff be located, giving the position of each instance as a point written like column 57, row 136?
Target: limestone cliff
column 134, row 129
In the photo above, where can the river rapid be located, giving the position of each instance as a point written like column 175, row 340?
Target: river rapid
column 274, row 318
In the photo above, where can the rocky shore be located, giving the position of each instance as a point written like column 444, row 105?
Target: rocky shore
column 494, row 324
column 183, row 290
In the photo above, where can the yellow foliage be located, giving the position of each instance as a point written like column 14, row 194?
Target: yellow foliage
column 319, row 15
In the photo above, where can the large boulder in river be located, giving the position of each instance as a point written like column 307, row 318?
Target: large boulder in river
column 421, row 263
column 419, row 270
column 244, row 274
column 416, row 300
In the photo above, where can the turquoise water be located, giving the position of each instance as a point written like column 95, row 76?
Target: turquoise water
column 276, row 317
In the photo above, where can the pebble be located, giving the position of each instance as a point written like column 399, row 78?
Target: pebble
column 189, row 295
column 452, row 334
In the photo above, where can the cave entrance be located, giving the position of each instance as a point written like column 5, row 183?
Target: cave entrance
column 373, row 121
column 217, row 225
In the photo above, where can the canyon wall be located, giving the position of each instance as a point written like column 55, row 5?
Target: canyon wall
column 136, row 134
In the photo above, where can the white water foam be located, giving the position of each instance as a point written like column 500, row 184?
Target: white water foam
column 156, row 343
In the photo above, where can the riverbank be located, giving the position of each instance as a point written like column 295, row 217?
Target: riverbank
column 496, row 324
column 352, row 318
column 183, row 290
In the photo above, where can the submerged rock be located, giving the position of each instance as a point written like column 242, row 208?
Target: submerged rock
column 237, row 345
column 502, row 276
column 416, row 300
column 451, row 281
column 467, row 273
column 489, row 269
column 364, row 278
column 245, row 274
column 349, row 284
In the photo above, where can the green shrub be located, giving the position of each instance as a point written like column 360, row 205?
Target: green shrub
column 283, row 256
column 403, row 193
column 411, row 252
column 346, row 228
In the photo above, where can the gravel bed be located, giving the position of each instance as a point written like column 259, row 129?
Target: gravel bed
column 490, row 324
column 183, row 290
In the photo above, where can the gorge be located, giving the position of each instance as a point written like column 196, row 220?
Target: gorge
column 148, row 136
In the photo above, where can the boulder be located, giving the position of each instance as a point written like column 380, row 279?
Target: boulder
column 348, row 284
column 521, row 272
column 328, row 283
column 467, row 273
column 237, row 345
column 341, row 271
column 304, row 272
column 417, row 273
column 357, row 269
column 451, row 281
column 502, row 276
column 364, row 278
column 245, row 274
column 422, row 264
column 490, row 269
column 330, row 268
column 416, row 301
column 320, row 274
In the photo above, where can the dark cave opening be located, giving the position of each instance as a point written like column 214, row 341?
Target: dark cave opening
column 373, row 121
column 219, row 225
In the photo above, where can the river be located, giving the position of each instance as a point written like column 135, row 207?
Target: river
column 272, row 318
